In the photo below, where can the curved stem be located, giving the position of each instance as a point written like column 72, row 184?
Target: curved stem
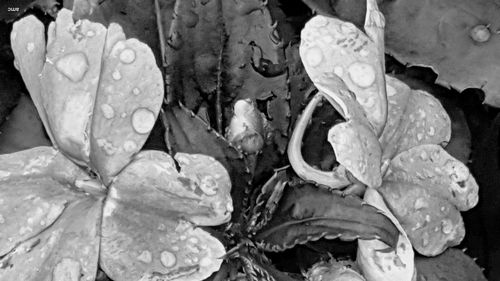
column 334, row 179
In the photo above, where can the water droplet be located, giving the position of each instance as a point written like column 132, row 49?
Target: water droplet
column 182, row 237
column 129, row 146
column 30, row 47
column 107, row 146
column 73, row 66
column 136, row 91
column 443, row 209
column 2, row 219
column 209, row 186
column 362, row 74
column 145, row 257
column 420, row 203
column 314, row 56
column 190, row 19
column 90, row 33
column 123, row 115
column 168, row 259
column 117, row 75
column 127, row 56
column 205, row 262
column 480, row 33
column 347, row 28
column 364, row 52
column 420, row 136
column 425, row 239
column 67, row 270
column 107, row 111
column 432, row 131
column 16, row 64
column 143, row 120
column 424, row 156
column 193, row 240
column 446, row 226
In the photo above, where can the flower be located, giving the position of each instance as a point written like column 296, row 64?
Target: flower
column 93, row 198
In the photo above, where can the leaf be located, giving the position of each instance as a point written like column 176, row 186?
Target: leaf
column 380, row 262
column 307, row 213
column 453, row 264
column 150, row 229
column 223, row 51
column 257, row 267
column 441, row 38
column 111, row 109
column 50, row 231
column 414, row 117
column 185, row 132
column 267, row 201
column 23, row 129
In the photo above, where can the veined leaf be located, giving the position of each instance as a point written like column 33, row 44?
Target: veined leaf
column 307, row 213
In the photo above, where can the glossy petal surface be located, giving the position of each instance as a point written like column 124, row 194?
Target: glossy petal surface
column 69, row 81
column 49, row 228
column 152, row 213
column 426, row 188
column 100, row 92
column 414, row 118
column 129, row 98
column 356, row 148
column 331, row 47
column 380, row 262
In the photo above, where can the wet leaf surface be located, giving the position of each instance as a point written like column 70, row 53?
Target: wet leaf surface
column 307, row 213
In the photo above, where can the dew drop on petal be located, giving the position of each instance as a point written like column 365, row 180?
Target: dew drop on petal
column 446, row 226
column 205, row 262
column 420, row 203
column 127, row 56
column 145, row 257
column 107, row 111
column 129, row 146
column 136, row 91
column 314, row 56
column 30, row 47
column 2, row 219
column 90, row 33
column 209, row 186
column 73, row 66
column 116, row 75
column 362, row 74
column 143, row 120
column 425, row 239
column 168, row 259
column 67, row 270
